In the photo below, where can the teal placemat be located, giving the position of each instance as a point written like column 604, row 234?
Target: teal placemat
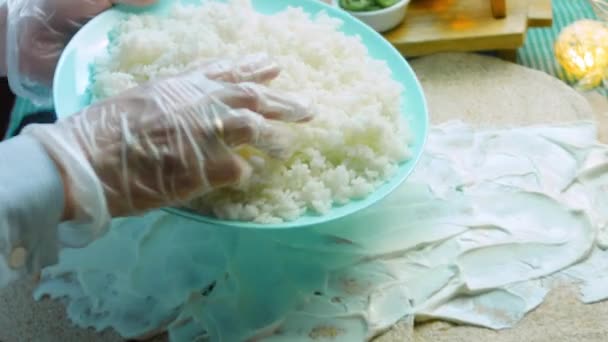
column 22, row 109
column 537, row 53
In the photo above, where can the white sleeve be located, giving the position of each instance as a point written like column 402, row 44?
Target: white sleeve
column 3, row 13
column 31, row 205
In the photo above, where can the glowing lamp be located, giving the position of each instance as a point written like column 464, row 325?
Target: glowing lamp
column 582, row 51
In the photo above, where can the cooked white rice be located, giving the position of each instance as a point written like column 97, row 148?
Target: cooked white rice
column 355, row 143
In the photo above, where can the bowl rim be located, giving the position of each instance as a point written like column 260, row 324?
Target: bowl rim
column 394, row 7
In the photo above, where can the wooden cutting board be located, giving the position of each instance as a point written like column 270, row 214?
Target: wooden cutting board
column 433, row 26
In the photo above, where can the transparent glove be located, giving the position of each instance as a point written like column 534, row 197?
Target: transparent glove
column 169, row 141
column 35, row 32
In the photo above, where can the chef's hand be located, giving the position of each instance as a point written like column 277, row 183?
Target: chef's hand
column 33, row 34
column 168, row 141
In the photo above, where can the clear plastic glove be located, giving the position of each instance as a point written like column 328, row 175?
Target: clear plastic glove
column 169, row 141
column 34, row 34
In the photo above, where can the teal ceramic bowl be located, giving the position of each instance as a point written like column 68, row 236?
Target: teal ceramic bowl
column 72, row 79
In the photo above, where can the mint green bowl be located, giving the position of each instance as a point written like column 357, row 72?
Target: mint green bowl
column 72, row 79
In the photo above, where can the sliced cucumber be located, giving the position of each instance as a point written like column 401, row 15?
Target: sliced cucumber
column 356, row 5
column 386, row 3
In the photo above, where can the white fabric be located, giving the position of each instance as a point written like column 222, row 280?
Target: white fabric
column 468, row 238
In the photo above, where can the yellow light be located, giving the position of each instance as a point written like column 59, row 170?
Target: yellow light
column 582, row 51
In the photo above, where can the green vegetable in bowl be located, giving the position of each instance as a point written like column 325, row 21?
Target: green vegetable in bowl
column 386, row 3
column 356, row 5
column 366, row 5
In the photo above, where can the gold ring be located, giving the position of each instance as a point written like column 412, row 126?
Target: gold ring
column 219, row 127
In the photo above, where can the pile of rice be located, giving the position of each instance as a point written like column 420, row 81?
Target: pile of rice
column 355, row 143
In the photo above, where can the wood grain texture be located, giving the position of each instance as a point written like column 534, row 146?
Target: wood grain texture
column 499, row 8
column 540, row 13
column 433, row 26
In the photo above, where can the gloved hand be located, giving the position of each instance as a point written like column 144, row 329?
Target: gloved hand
column 33, row 34
column 168, row 141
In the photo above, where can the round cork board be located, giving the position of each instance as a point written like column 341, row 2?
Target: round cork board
column 479, row 90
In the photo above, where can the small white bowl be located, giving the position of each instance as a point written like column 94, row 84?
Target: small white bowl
column 381, row 20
